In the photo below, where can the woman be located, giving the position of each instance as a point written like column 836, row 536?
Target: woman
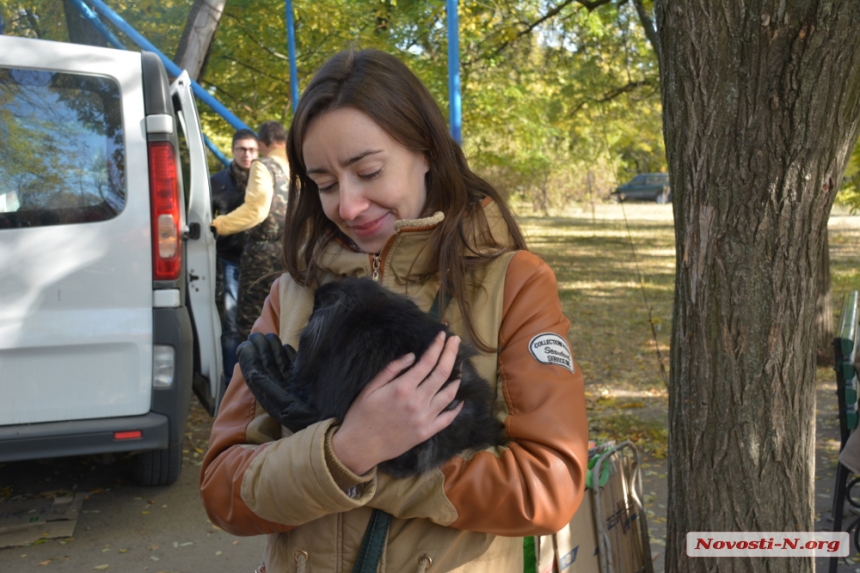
column 378, row 188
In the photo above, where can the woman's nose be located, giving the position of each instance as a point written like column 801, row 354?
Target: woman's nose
column 352, row 201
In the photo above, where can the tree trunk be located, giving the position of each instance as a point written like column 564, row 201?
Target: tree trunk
column 824, row 309
column 196, row 41
column 761, row 103
column 79, row 28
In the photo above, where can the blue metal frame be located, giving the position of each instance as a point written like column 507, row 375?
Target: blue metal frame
column 455, row 111
column 172, row 68
column 291, row 47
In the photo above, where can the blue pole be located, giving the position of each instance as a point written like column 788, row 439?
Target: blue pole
column 455, row 111
column 87, row 13
column 215, row 151
column 291, row 47
column 172, row 68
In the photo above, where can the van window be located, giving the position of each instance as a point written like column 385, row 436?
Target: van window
column 62, row 157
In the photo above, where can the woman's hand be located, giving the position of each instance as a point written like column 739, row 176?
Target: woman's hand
column 399, row 408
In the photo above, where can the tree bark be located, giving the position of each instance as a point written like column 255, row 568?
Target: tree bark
column 761, row 104
column 196, row 41
column 824, row 323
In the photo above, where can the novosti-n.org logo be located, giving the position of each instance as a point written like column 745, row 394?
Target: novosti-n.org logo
column 767, row 544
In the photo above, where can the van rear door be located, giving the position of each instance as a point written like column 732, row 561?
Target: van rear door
column 200, row 250
column 75, row 239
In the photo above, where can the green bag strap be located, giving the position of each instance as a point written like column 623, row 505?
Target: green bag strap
column 377, row 529
column 374, row 540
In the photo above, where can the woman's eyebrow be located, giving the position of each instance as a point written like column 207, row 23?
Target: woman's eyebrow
column 347, row 163
column 359, row 157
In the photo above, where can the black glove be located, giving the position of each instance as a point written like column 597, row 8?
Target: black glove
column 266, row 366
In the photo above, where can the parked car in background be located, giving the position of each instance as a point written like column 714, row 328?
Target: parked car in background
column 107, row 314
column 646, row 187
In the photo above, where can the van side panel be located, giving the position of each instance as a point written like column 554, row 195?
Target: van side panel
column 76, row 322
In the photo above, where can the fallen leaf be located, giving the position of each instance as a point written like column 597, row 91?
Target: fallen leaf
column 217, row 553
column 152, row 547
column 236, row 542
column 101, row 567
column 153, row 557
column 44, row 562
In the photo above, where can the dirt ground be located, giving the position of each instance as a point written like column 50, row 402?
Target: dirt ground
column 123, row 527
column 615, row 266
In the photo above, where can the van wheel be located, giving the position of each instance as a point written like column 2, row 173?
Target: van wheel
column 158, row 467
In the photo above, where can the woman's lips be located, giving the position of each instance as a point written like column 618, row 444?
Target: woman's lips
column 367, row 229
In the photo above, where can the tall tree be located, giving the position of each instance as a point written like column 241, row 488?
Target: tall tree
column 81, row 31
column 196, row 41
column 761, row 103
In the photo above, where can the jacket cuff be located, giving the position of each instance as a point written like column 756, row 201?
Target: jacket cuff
column 289, row 482
column 353, row 484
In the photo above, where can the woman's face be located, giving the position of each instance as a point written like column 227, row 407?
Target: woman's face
column 366, row 179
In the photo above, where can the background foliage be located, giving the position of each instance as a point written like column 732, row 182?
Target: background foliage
column 559, row 103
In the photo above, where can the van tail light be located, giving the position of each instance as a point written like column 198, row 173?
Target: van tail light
column 164, row 197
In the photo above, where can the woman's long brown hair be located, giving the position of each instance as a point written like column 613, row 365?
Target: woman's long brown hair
column 384, row 88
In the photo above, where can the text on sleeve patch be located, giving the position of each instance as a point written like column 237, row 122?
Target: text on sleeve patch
column 550, row 348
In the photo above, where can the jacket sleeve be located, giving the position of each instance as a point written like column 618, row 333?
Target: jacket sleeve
column 255, row 208
column 535, row 485
column 245, row 472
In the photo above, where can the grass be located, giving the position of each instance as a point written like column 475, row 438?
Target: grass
column 616, row 278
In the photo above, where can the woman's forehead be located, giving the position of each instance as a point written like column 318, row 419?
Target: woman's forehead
column 343, row 136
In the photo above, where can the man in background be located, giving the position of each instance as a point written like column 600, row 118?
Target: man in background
column 228, row 193
column 261, row 217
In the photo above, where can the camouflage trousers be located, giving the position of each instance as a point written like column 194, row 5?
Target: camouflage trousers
column 261, row 265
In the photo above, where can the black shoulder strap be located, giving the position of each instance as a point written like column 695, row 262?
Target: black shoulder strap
column 374, row 540
column 434, row 309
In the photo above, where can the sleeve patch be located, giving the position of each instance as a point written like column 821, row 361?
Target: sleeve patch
column 550, row 348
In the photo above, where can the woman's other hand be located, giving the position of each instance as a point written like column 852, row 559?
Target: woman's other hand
column 399, row 408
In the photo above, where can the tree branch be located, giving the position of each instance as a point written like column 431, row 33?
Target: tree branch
column 256, row 70
column 587, row 4
column 34, row 22
column 650, row 29
column 612, row 94
column 222, row 92
column 260, row 44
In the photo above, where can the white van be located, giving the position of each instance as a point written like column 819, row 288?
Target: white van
column 107, row 264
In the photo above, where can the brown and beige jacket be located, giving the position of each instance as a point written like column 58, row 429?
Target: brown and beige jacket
column 469, row 515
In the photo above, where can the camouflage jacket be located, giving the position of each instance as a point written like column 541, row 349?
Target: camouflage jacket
column 272, row 227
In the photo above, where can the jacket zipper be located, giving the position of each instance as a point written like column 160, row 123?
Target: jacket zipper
column 375, row 264
column 378, row 261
